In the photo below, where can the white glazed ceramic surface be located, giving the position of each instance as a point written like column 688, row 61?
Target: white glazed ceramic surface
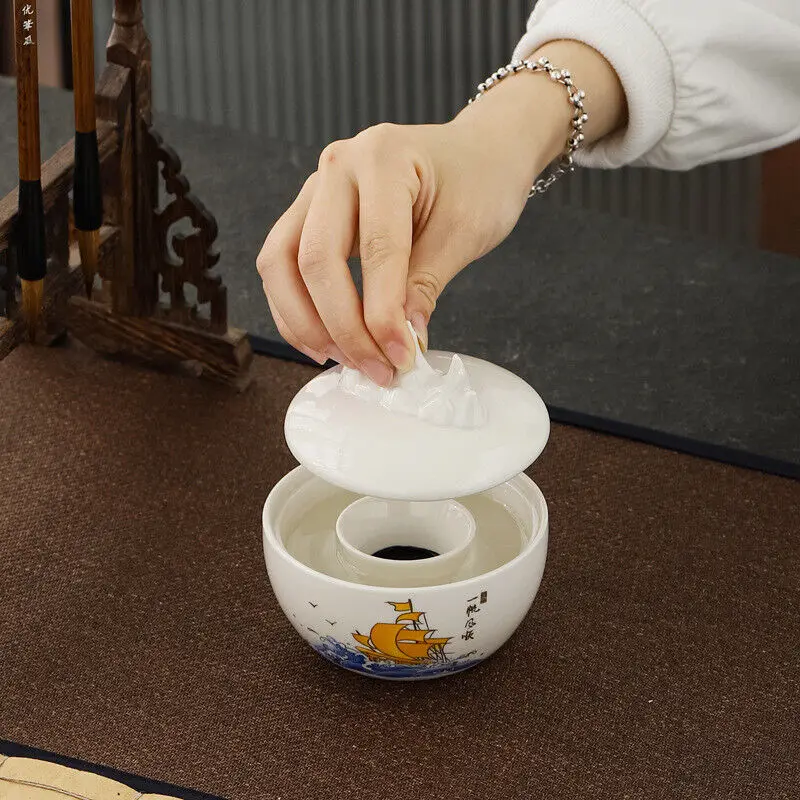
column 404, row 633
column 419, row 441
column 372, row 524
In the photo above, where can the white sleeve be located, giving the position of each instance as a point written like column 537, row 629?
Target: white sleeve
column 705, row 80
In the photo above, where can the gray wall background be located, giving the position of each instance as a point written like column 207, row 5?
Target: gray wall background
column 311, row 71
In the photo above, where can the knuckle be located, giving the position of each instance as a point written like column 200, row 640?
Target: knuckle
column 377, row 249
column 379, row 141
column 332, row 153
column 271, row 251
column 266, row 259
column 427, row 284
column 385, row 129
column 312, row 260
column 262, row 264
column 379, row 134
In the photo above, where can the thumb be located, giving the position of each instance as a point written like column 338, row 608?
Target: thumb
column 428, row 274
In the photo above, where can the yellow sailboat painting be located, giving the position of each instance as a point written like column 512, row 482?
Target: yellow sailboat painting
column 406, row 640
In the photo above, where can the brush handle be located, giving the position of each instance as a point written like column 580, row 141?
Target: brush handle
column 83, row 80
column 87, row 201
column 26, row 33
column 30, row 234
column 87, row 192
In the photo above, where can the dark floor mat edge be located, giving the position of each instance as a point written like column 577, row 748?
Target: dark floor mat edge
column 140, row 784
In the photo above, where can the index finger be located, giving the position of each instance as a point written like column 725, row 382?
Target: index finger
column 325, row 243
column 386, row 227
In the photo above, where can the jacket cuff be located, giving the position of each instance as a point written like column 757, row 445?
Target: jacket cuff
column 637, row 54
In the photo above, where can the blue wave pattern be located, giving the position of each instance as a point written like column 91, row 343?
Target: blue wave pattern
column 351, row 659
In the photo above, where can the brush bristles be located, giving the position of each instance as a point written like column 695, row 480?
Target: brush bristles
column 89, row 246
column 32, row 293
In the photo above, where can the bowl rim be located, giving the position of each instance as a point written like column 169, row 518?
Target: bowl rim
column 270, row 536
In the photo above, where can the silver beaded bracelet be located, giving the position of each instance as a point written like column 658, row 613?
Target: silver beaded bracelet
column 579, row 117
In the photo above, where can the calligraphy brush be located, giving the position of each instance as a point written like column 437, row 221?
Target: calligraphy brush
column 31, row 249
column 87, row 193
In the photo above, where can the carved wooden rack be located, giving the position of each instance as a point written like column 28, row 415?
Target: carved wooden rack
column 139, row 307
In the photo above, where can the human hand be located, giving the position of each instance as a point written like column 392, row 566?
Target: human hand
column 417, row 204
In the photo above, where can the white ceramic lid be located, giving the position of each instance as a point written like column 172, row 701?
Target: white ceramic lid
column 453, row 426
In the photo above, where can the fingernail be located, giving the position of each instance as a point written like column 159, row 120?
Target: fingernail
column 320, row 358
column 420, row 328
column 335, row 354
column 379, row 372
column 400, row 355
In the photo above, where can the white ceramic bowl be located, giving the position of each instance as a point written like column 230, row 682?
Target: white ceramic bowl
column 404, row 633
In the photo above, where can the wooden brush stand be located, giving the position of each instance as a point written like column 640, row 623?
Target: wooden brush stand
column 139, row 307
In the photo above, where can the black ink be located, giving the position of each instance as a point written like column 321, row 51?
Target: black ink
column 405, row 552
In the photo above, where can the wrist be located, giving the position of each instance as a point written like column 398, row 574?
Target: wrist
column 605, row 98
column 528, row 116
column 531, row 115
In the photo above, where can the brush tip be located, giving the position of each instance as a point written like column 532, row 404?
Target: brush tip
column 89, row 246
column 32, row 294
